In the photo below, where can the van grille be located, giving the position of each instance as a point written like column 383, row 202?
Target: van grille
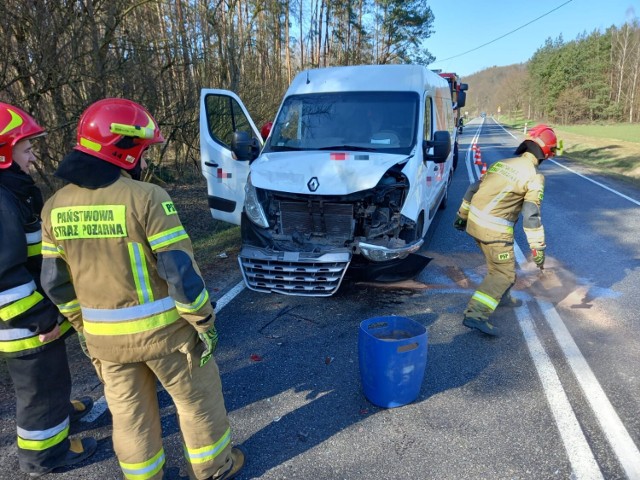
column 293, row 273
column 334, row 220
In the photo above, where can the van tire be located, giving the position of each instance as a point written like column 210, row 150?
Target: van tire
column 455, row 155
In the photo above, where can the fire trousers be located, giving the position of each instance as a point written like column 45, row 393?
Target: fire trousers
column 501, row 275
column 130, row 391
column 42, row 384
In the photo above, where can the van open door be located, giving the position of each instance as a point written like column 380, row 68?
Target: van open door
column 222, row 115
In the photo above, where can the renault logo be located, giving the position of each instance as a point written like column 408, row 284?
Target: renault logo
column 313, row 184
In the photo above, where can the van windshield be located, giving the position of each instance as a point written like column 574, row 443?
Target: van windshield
column 386, row 122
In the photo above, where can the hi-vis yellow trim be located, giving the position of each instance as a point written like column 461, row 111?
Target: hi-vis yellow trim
column 196, row 305
column 140, row 273
column 208, row 453
column 494, row 223
column 15, row 122
column 20, row 306
column 33, row 250
column 167, row 237
column 135, row 131
column 485, row 299
column 143, row 470
column 89, row 221
column 69, row 307
column 91, row 145
column 169, row 208
column 13, row 346
column 50, row 250
column 133, row 326
column 40, row 445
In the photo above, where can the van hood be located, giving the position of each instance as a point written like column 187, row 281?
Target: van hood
column 321, row 173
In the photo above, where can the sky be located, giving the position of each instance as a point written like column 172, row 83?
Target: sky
column 464, row 25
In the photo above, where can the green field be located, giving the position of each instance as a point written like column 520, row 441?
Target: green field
column 628, row 132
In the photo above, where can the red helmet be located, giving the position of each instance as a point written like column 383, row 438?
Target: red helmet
column 117, row 131
column 544, row 136
column 15, row 125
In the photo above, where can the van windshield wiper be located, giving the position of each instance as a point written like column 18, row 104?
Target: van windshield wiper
column 349, row 147
column 282, row 148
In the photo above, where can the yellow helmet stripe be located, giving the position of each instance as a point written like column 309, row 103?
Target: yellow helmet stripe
column 16, row 121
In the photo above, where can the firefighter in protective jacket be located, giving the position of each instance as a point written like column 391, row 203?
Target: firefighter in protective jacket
column 32, row 332
column 119, row 265
column 489, row 211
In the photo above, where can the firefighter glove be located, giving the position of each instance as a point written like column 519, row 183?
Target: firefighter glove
column 210, row 340
column 538, row 257
column 460, row 223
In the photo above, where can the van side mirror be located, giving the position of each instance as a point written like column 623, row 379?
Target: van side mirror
column 464, row 87
column 244, row 146
column 462, row 99
column 441, row 144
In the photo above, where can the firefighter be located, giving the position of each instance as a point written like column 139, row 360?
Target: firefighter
column 490, row 208
column 32, row 332
column 119, row 264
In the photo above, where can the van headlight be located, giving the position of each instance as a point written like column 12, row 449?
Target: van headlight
column 253, row 207
column 379, row 253
column 376, row 255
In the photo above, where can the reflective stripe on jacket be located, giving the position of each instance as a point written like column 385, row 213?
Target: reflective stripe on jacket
column 25, row 312
column 119, row 264
column 492, row 205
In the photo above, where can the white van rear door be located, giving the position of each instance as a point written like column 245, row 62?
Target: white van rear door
column 222, row 113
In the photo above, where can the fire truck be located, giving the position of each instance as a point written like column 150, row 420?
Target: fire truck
column 458, row 95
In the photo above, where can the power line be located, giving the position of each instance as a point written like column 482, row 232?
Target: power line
column 506, row 34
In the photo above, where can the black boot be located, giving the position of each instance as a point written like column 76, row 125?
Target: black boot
column 237, row 462
column 509, row 301
column 80, row 408
column 79, row 451
column 483, row 325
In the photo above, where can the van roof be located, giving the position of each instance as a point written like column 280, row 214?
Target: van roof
column 361, row 78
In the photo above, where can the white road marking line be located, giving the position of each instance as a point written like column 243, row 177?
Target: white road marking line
column 597, row 183
column 99, row 407
column 230, row 295
column 615, row 431
column 500, row 125
column 617, row 435
column 581, row 457
column 470, row 160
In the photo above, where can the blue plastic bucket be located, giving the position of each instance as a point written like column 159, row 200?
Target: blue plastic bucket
column 392, row 355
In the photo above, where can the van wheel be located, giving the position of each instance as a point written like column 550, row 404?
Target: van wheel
column 445, row 198
column 455, row 155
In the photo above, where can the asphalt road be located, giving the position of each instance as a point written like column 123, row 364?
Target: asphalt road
column 555, row 397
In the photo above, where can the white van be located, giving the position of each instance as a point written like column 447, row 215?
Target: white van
column 353, row 170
